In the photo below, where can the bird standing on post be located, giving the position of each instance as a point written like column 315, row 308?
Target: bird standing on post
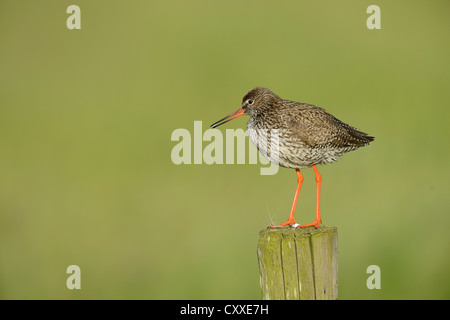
column 296, row 135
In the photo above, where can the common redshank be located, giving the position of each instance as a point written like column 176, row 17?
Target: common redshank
column 296, row 135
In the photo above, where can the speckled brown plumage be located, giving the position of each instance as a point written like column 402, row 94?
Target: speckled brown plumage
column 308, row 135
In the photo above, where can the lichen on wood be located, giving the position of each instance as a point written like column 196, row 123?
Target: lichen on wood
column 298, row 264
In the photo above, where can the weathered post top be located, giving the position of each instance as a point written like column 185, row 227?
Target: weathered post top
column 298, row 264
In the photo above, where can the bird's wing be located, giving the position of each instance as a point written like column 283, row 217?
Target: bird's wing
column 316, row 127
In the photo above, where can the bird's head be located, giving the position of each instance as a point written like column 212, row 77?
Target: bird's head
column 253, row 103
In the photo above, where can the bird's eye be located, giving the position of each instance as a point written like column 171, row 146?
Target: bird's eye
column 250, row 101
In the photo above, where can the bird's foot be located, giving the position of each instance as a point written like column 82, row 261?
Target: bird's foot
column 314, row 224
column 287, row 223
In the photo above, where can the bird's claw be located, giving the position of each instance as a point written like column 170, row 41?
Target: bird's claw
column 314, row 224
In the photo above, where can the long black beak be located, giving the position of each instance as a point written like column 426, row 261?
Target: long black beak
column 239, row 112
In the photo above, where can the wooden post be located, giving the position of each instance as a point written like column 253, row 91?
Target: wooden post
column 298, row 264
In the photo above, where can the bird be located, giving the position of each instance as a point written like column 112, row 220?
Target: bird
column 296, row 135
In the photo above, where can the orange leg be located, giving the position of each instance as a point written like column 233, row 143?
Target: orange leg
column 318, row 219
column 291, row 219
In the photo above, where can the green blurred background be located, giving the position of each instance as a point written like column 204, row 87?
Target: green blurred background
column 86, row 118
